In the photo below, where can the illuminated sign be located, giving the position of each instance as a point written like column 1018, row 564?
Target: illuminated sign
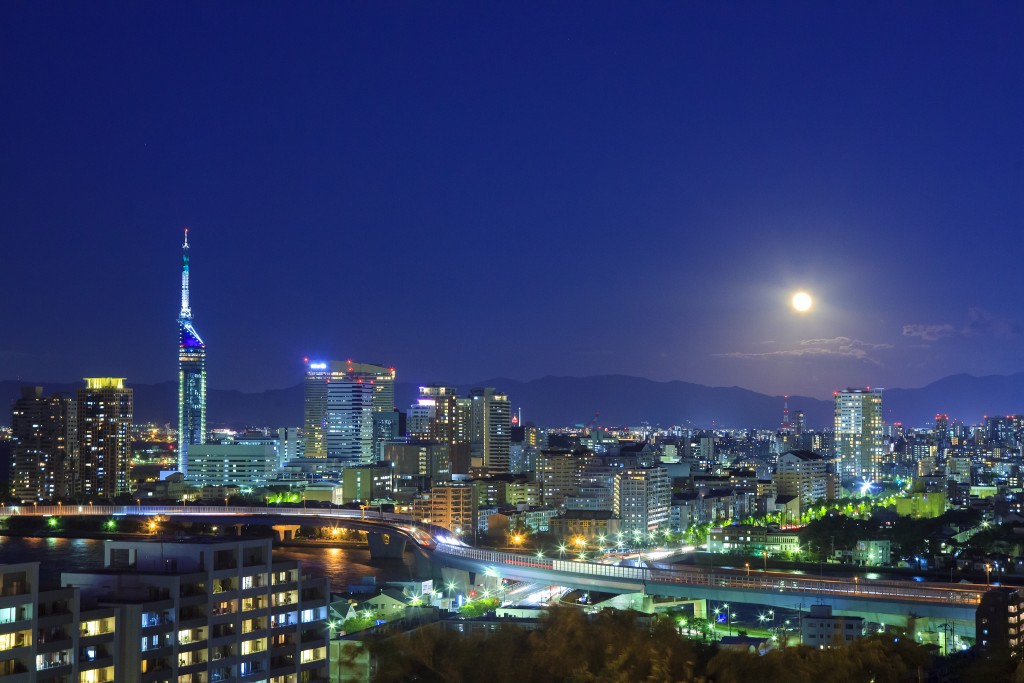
column 318, row 366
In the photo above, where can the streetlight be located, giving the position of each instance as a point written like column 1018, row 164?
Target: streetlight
column 748, row 569
column 988, row 573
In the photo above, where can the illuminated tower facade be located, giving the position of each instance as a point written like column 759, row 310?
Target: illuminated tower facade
column 191, row 374
column 859, row 441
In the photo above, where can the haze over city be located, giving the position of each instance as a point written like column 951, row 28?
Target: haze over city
column 468, row 191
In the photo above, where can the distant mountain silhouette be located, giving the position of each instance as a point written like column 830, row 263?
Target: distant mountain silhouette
column 618, row 399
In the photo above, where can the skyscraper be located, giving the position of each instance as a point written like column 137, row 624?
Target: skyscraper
column 490, row 428
column 104, row 412
column 443, row 401
column 191, row 374
column 340, row 399
column 43, row 436
column 858, row 437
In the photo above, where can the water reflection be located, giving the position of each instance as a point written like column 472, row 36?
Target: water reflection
column 343, row 566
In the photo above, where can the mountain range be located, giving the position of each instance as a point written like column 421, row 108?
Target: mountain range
column 607, row 400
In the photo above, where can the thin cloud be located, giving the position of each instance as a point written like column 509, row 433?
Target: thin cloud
column 985, row 323
column 929, row 332
column 836, row 347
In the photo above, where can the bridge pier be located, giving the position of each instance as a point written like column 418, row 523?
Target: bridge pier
column 238, row 529
column 459, row 578
column 285, row 532
column 385, row 546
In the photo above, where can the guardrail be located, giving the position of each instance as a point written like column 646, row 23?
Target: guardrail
column 150, row 510
column 957, row 594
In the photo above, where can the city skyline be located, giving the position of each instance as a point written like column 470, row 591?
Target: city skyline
column 468, row 193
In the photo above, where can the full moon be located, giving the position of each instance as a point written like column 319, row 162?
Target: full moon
column 802, row 301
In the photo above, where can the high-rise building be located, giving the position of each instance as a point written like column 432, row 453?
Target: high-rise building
column 859, row 444
column 191, row 373
column 490, row 428
column 641, row 498
column 340, row 399
column 444, row 422
column 104, row 418
column 43, row 438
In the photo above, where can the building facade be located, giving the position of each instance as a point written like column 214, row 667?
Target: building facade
column 821, row 629
column 451, row 505
column 641, row 498
column 806, row 475
column 490, row 429
column 247, row 465
column 104, row 428
column 43, row 440
column 208, row 610
column 340, row 400
column 859, row 443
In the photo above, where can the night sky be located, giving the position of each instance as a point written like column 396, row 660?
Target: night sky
column 468, row 191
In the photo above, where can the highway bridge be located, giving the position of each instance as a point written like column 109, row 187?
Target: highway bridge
column 888, row 602
column 885, row 602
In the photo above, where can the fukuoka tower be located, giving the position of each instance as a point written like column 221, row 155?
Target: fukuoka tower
column 191, row 374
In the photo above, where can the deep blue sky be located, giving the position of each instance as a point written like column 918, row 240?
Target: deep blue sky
column 471, row 190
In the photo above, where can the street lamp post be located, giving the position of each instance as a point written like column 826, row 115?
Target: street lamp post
column 748, row 569
column 988, row 573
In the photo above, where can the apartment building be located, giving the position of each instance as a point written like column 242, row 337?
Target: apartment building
column 209, row 610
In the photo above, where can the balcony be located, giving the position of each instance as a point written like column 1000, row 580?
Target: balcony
column 15, row 588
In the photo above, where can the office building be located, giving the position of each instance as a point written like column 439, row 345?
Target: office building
column 364, row 483
column 191, row 373
column 859, row 443
column 43, row 442
column 752, row 540
column 290, row 445
column 246, row 465
column 104, row 427
column 490, row 429
column 427, row 459
column 340, row 399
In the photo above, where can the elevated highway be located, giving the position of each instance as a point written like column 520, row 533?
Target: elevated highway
column 887, row 602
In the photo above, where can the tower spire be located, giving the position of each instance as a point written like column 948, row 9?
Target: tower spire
column 186, row 311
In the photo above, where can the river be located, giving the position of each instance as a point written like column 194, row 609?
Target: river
column 343, row 566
